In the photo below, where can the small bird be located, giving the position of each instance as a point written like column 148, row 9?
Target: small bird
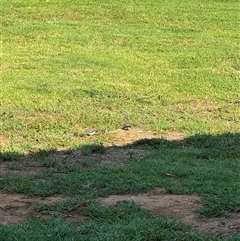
column 126, row 126
column 92, row 131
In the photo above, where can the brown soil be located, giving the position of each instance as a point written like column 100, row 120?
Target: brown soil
column 174, row 136
column 181, row 207
column 4, row 140
column 15, row 208
column 121, row 137
column 114, row 154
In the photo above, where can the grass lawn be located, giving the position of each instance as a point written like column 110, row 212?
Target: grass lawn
column 164, row 66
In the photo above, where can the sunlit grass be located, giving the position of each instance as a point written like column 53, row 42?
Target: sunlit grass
column 162, row 66
column 69, row 65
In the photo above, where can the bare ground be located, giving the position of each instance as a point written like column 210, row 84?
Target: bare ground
column 15, row 208
column 183, row 208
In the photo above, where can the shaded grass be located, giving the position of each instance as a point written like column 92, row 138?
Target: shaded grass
column 202, row 165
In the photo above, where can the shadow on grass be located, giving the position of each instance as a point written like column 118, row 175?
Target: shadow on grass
column 203, row 164
column 225, row 145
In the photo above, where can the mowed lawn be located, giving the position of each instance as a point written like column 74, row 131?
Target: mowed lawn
column 68, row 65
column 164, row 66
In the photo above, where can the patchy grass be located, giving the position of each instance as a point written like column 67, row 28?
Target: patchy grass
column 203, row 165
column 127, row 221
column 162, row 66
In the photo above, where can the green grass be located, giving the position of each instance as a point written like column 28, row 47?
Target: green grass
column 69, row 65
column 203, row 165
column 163, row 66
column 127, row 221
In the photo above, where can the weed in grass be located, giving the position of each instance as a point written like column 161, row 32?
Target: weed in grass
column 88, row 163
column 65, row 206
column 10, row 156
column 93, row 148
column 49, row 163
column 44, row 154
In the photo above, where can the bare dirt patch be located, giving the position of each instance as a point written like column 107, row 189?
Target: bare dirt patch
column 15, row 208
column 181, row 207
column 121, row 137
column 4, row 140
column 115, row 153
column 174, row 136
column 118, row 151
column 111, row 156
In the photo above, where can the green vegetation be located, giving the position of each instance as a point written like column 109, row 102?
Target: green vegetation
column 124, row 222
column 202, row 165
column 161, row 65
